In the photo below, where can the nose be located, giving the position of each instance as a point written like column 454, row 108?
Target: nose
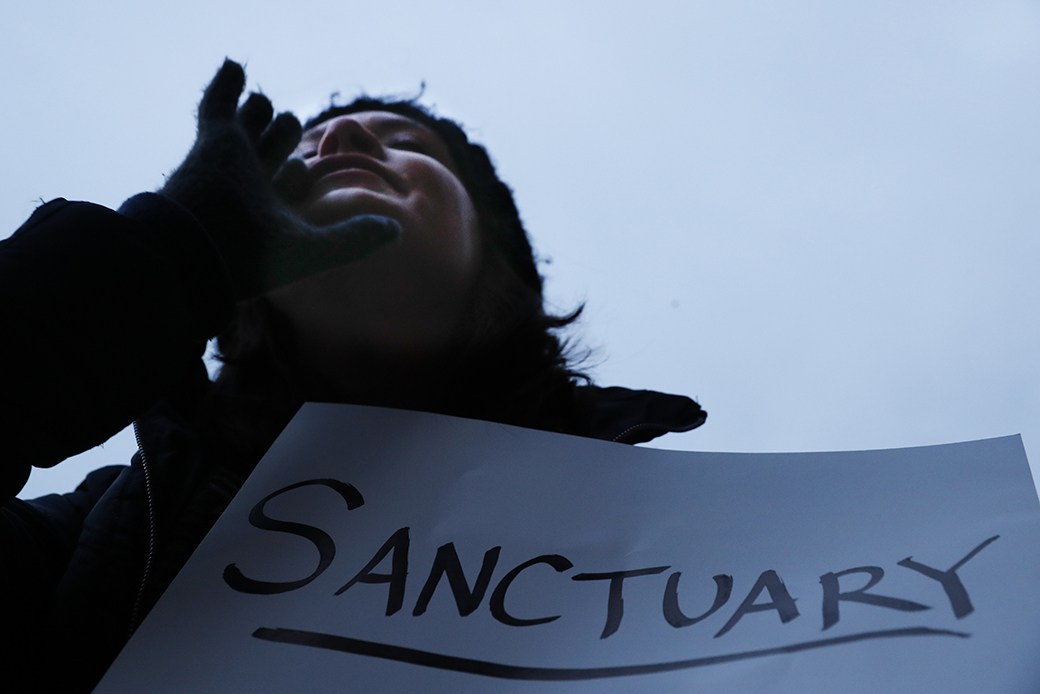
column 345, row 134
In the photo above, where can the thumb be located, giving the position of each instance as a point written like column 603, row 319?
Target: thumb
column 312, row 250
column 290, row 181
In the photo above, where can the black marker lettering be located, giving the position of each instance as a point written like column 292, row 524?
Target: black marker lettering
column 497, row 604
column 447, row 562
column 781, row 601
column 398, row 542
column 950, row 581
column 319, row 538
column 615, row 599
column 675, row 616
column 451, row 663
column 832, row 594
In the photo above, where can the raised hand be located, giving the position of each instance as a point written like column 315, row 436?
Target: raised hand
column 226, row 182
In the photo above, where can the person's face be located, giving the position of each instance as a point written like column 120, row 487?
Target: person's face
column 410, row 293
column 376, row 162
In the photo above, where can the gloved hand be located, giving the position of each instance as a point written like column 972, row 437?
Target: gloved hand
column 226, row 182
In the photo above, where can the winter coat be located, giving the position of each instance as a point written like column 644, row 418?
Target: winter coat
column 105, row 315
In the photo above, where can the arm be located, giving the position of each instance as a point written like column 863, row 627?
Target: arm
column 102, row 314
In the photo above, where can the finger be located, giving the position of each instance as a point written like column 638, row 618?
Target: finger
column 279, row 140
column 291, row 181
column 321, row 249
column 254, row 115
column 221, row 96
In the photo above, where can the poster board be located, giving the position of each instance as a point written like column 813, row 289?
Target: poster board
column 383, row 550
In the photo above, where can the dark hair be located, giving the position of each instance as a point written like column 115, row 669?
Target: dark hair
column 507, row 363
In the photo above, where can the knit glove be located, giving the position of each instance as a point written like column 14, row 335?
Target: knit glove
column 226, row 183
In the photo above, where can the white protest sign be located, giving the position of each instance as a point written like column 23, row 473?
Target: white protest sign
column 377, row 550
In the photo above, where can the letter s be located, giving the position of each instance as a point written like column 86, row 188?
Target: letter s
column 321, row 540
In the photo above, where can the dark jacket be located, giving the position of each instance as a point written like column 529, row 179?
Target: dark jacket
column 105, row 317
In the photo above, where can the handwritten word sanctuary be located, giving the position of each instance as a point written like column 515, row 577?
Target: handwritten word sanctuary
column 468, row 598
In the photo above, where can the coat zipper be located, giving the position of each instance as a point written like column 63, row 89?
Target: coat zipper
column 637, row 427
column 135, row 616
column 650, row 425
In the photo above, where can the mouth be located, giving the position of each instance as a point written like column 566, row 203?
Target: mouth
column 338, row 163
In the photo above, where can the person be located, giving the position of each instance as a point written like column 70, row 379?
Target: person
column 372, row 257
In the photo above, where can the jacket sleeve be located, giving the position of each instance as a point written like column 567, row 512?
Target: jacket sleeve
column 101, row 313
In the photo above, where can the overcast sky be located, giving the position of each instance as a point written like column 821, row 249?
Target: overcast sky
column 819, row 219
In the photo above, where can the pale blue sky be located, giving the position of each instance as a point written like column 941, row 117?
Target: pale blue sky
column 821, row 219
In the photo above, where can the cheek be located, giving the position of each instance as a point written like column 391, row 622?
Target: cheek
column 469, row 235
column 452, row 227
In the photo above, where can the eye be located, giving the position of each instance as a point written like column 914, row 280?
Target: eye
column 410, row 144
